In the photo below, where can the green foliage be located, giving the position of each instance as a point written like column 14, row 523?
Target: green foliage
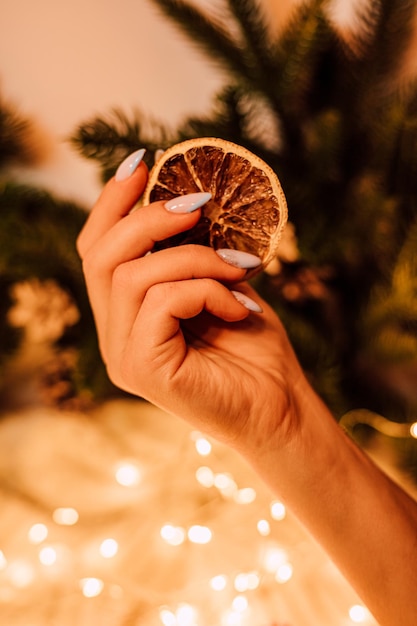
column 334, row 118
column 37, row 241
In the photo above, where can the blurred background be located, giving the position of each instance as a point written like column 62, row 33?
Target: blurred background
column 113, row 513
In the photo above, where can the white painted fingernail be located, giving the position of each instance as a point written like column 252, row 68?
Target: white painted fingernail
column 247, row 302
column 244, row 260
column 129, row 165
column 188, row 203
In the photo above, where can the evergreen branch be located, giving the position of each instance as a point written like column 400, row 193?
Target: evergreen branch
column 16, row 137
column 255, row 34
column 211, row 37
column 110, row 139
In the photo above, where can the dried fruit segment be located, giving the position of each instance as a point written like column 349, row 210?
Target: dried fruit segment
column 247, row 211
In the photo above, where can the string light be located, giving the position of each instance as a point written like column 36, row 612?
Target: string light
column 245, row 496
column 20, row 573
column 278, row 511
column 205, row 476
column 173, row 535
column 203, row 446
column 284, row 573
column 65, row 516
column 91, row 587
column 413, row 430
column 48, row 556
column 358, row 614
column 264, row 527
column 37, row 533
column 127, row 474
column 218, row 583
column 109, row 548
column 199, row 534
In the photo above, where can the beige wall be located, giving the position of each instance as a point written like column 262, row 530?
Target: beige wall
column 63, row 62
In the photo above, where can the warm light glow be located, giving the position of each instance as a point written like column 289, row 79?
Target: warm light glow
column 274, row 558
column 358, row 614
column 91, row 587
column 20, row 574
column 174, row 535
column 278, row 511
column 284, row 573
column 205, row 476
column 128, row 475
column 37, row 533
column 246, row 581
column 3, row 561
column 199, row 534
column 186, row 615
column 413, row 430
column 218, row 583
column 167, row 617
column 263, row 527
column 65, row 516
column 224, row 482
column 240, row 604
column 203, row 446
column 48, row 556
column 109, row 548
column 245, row 496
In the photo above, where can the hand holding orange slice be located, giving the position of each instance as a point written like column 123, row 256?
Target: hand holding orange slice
column 247, row 211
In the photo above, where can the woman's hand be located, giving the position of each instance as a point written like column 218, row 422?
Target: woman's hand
column 171, row 328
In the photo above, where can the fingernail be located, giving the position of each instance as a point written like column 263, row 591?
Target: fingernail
column 188, row 203
column 129, row 165
column 244, row 260
column 250, row 304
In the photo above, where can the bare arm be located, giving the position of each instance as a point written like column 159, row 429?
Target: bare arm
column 172, row 331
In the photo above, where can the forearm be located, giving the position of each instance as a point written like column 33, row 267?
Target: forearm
column 364, row 521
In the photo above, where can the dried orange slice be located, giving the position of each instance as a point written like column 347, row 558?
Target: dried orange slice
column 248, row 210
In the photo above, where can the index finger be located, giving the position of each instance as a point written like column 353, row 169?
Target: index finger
column 117, row 199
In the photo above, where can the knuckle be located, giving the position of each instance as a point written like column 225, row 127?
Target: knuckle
column 123, row 277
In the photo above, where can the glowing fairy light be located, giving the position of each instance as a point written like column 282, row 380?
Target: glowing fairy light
column 203, row 446
column 65, row 516
column 20, row 574
column 127, row 474
column 109, row 548
column 37, row 533
column 218, row 583
column 274, row 558
column 48, row 556
column 205, row 476
column 284, row 573
column 263, row 527
column 358, row 614
column 199, row 534
column 186, row 615
column 245, row 496
column 413, row 430
column 240, row 604
column 225, row 484
column 167, row 617
column 173, row 535
column 246, row 580
column 91, row 587
column 278, row 511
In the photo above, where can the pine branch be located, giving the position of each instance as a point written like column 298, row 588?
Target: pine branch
column 211, row 37
column 110, row 139
column 255, row 35
column 16, row 137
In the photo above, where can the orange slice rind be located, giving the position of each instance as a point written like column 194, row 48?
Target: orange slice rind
column 248, row 209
